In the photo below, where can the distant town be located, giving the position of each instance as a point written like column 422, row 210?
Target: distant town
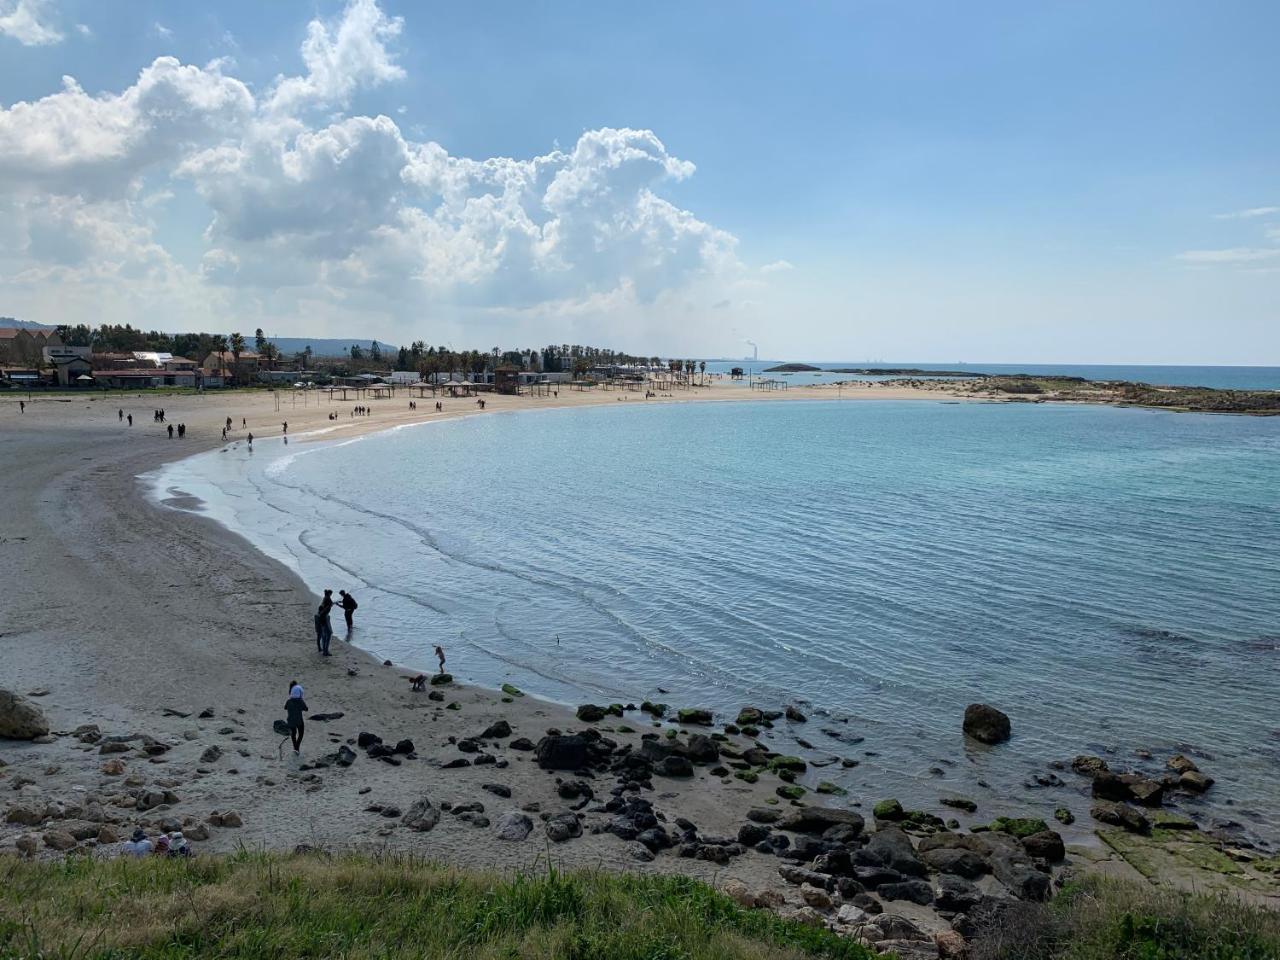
column 114, row 357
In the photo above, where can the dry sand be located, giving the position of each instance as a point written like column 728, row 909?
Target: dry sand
column 129, row 614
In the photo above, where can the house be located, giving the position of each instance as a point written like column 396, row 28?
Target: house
column 18, row 345
column 225, row 364
column 69, row 363
column 23, row 378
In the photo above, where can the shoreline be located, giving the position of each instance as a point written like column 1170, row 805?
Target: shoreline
column 136, row 616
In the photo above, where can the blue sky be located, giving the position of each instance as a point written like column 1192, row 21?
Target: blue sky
column 994, row 181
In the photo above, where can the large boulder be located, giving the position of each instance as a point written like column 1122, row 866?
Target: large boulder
column 1120, row 815
column 702, row 749
column 955, row 861
column 20, row 719
column 562, row 752
column 563, row 826
column 819, row 820
column 892, row 848
column 1047, row 844
column 422, row 816
column 986, row 724
column 514, row 826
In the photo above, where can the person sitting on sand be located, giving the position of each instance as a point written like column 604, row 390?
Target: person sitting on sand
column 440, row 656
column 294, row 708
column 137, row 845
column 178, row 846
column 161, row 848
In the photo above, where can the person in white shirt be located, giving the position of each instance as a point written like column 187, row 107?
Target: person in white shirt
column 138, row 845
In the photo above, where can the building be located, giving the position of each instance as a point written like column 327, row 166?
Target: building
column 21, row 346
column 226, row 365
column 140, row 378
column 69, row 363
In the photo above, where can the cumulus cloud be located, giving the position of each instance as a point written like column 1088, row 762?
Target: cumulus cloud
column 26, row 21
column 347, row 211
column 1248, row 214
column 778, row 266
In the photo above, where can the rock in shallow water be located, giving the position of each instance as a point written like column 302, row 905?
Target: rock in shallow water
column 986, row 724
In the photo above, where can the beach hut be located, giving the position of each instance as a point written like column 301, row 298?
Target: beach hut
column 506, row 380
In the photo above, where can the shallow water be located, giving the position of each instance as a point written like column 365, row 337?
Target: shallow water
column 1108, row 577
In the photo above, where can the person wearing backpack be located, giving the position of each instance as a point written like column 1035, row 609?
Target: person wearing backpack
column 349, row 607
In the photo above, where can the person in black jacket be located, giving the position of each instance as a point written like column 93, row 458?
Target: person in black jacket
column 349, row 606
column 294, row 708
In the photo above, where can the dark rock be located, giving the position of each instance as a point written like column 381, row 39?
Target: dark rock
column 961, row 863
column 752, row 833
column 701, row 749
column 497, row 789
column 440, row 679
column 956, row 894
column 867, row 903
column 562, row 827
column 1195, row 781
column 794, row 715
column 20, row 719
column 483, row 759
column 521, row 743
column 694, row 715
column 562, row 752
column 514, row 826
column 764, row 815
column 800, row 876
column 422, row 816
column 1120, row 815
column 366, row 740
column 959, row 803
column 1089, row 766
column 888, row 810
column 916, row 891
column 591, row 713
column 655, row 838
column 404, row 747
column 818, row 820
column 1046, row 845
column 1149, row 793
column 496, row 731
column 892, row 848
column 455, row 763
column 749, row 716
column 872, row 876
column 674, row 766
column 986, row 724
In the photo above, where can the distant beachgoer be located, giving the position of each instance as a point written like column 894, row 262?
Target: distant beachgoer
column 120, row 414
column 349, row 607
column 440, row 656
column 326, row 608
column 294, row 708
column 138, row 845
column 224, row 433
column 228, row 423
column 251, row 440
column 171, row 431
column 417, row 684
column 161, row 847
column 182, row 430
column 244, row 422
column 131, row 419
column 319, row 622
column 178, row 846
column 22, row 406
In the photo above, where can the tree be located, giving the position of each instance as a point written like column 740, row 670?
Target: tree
column 375, row 352
column 356, row 352
column 702, row 370
column 237, row 348
column 260, row 341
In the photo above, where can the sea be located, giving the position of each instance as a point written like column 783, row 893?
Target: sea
column 1221, row 378
column 1108, row 577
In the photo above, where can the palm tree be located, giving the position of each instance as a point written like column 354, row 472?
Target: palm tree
column 237, row 348
column 702, row 369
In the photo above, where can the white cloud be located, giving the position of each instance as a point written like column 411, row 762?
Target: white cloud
column 1230, row 255
column 161, row 30
column 24, row 21
column 1273, row 234
column 1248, row 214
column 347, row 211
column 84, row 30
column 778, row 266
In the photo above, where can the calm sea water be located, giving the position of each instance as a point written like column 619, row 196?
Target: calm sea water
column 1226, row 378
column 1108, row 577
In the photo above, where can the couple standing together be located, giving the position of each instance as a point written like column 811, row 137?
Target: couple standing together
column 324, row 628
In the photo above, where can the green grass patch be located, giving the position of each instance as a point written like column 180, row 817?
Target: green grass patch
column 285, row 907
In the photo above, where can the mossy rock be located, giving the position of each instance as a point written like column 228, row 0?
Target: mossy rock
column 793, row 764
column 827, row 787
column 790, row 791
column 455, row 705
column 511, row 690
column 786, row 776
column 694, row 715
column 888, row 810
column 959, row 803
column 747, row 776
column 1064, row 816
column 732, row 729
column 656, row 709
column 440, row 679
column 1020, row 827
column 749, row 731
column 749, row 716
column 672, row 734
column 623, row 728
column 1167, row 820
column 508, row 700
column 616, row 709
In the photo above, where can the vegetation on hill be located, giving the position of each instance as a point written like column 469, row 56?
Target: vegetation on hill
column 280, row 907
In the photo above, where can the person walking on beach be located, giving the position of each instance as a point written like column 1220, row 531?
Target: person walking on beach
column 22, row 406
column 251, row 441
column 131, row 419
column 349, row 607
column 171, row 431
column 440, row 656
column 243, row 422
column 120, row 414
column 286, row 427
column 294, row 708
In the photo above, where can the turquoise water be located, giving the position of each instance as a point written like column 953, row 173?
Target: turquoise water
column 1108, row 577
column 1223, row 378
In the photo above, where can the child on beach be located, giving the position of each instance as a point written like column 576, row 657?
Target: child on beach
column 440, row 657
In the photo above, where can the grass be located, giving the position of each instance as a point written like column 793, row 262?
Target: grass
column 280, row 907
column 1105, row 919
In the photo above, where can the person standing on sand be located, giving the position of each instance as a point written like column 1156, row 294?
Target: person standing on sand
column 349, row 606
column 286, row 426
column 251, row 441
column 294, row 708
column 171, row 431
column 440, row 656
column 131, row 419
column 120, row 414
column 22, row 406
column 326, row 608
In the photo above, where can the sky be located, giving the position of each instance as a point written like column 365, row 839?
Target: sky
column 859, row 180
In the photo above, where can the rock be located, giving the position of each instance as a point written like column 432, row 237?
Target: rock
column 1019, row 827
column 801, row 876
column 87, row 733
column 791, row 764
column 961, row 863
column 230, row 820
column 764, row 815
column 816, row 897
column 654, row 709
column 789, row 791
column 752, row 833
column 959, row 803
column 888, row 927
column 749, row 717
column 816, row 820
column 455, row 763
column 27, row 816
column 562, row 827
column 1179, row 763
column 673, row 766
column 562, row 752
column 951, row 946
column 956, row 894
column 422, row 816
column 20, row 719
column 206, row 713
column 345, row 756
column 1013, row 868
column 892, row 848
column 1163, row 820
column 916, row 891
column 655, row 838
column 1195, row 781
column 888, row 810
column 638, row 851
column 59, row 839
column 694, row 715
column 108, row 834
column 794, row 715
column 497, row 789
column 1147, row 792
column 195, row 831
column 114, row 746
column 986, row 724
column 1064, row 816
column 514, row 826
column 521, row 743
column 1046, row 845
column 211, row 754
column 497, row 730
column 737, row 891
column 852, row 915
column 440, row 679
column 591, row 713
column 1120, row 815
column 365, row 740
column 27, row 844
column 702, row 749
column 113, row 768
column 404, row 747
